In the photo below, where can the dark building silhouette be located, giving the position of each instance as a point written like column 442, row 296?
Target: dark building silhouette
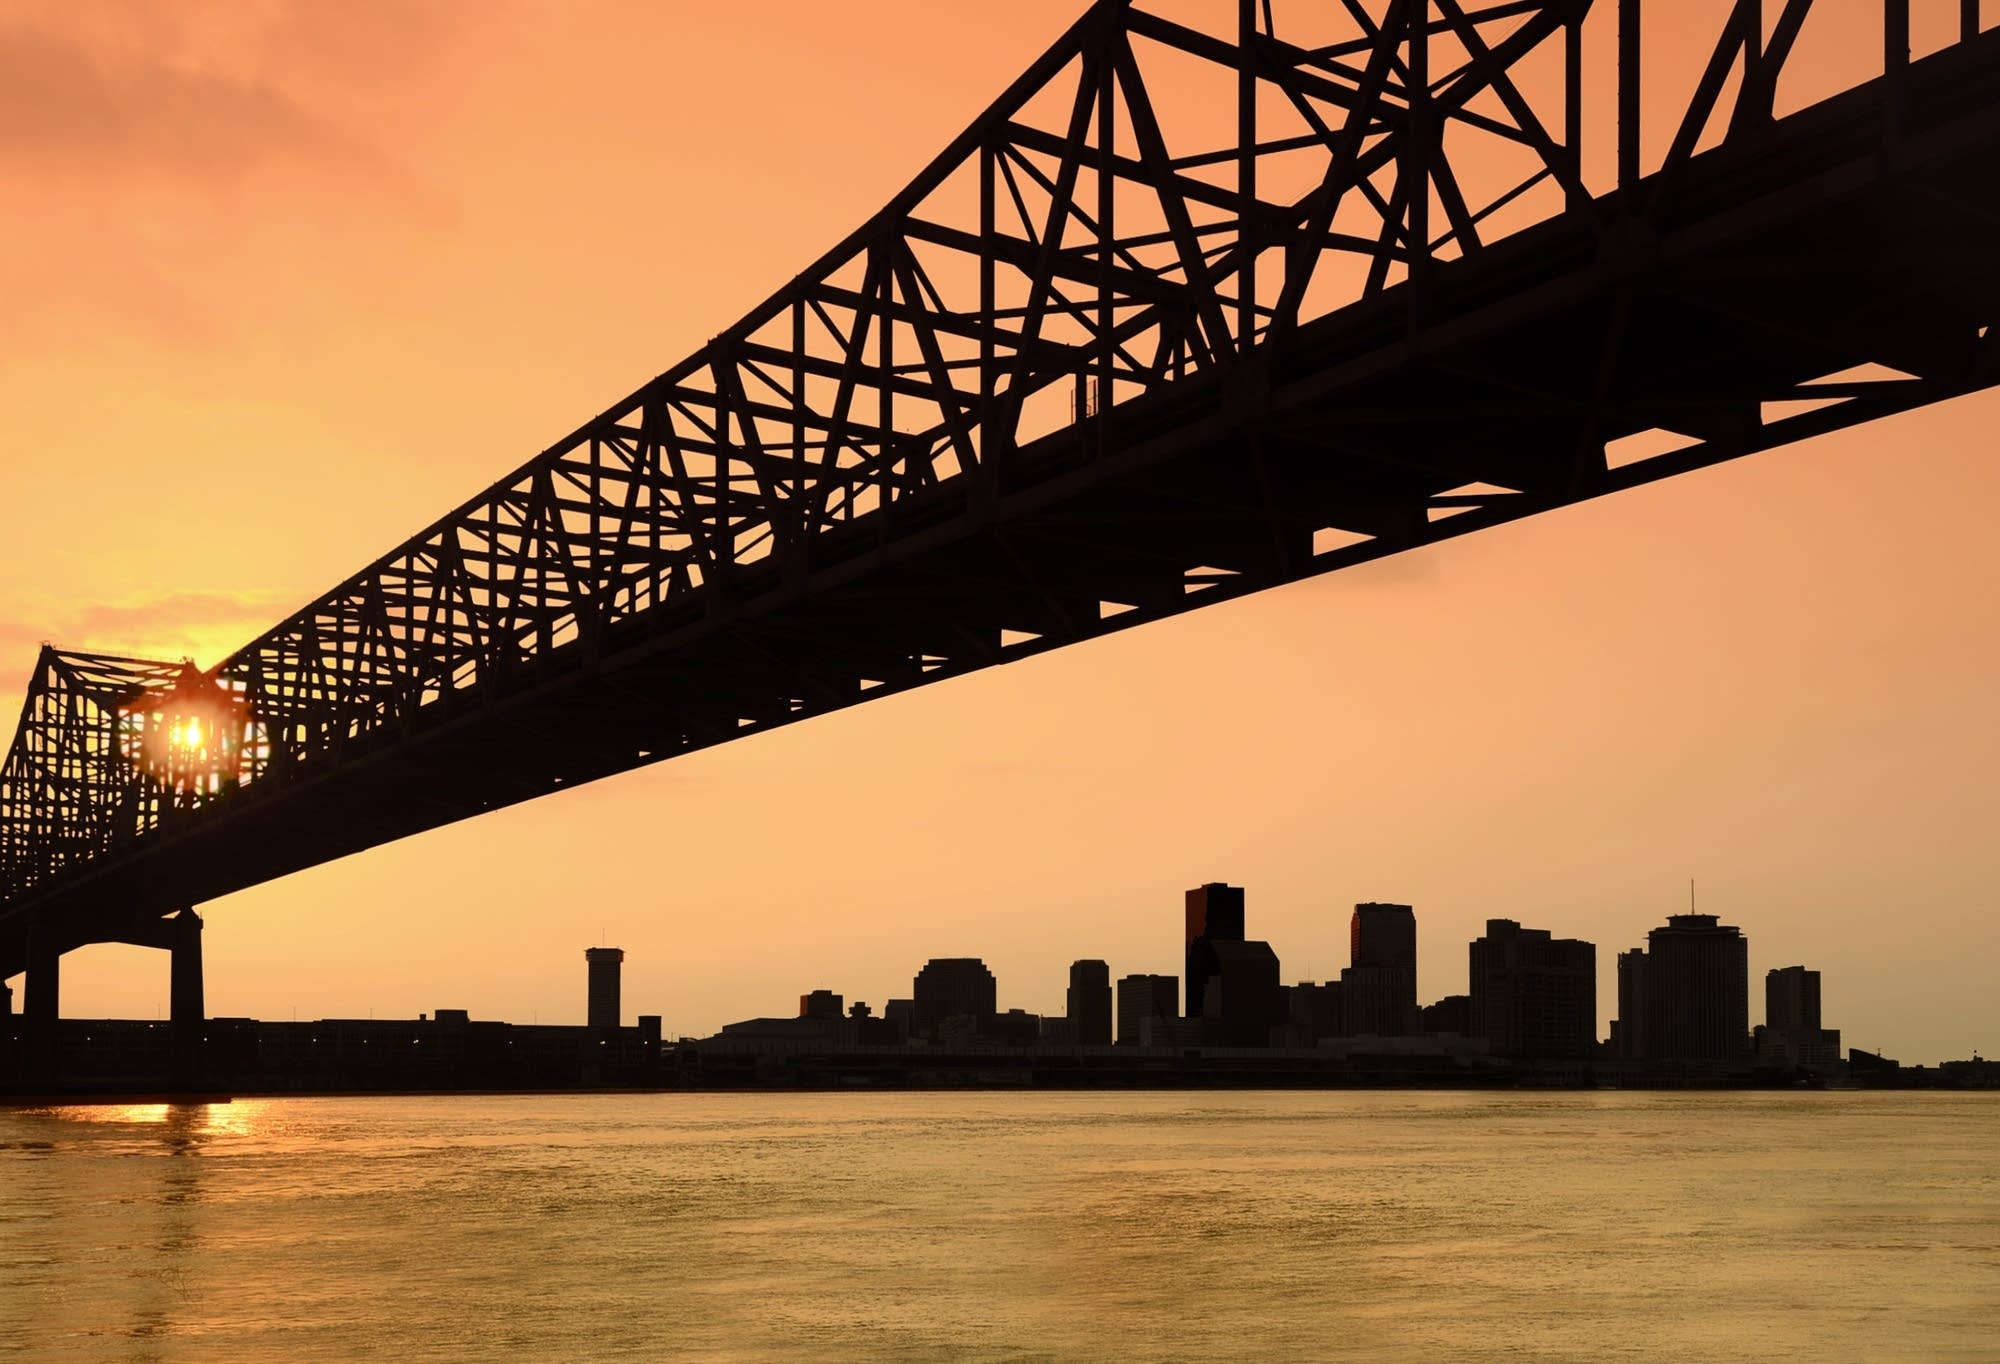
column 821, row 1004
column 1792, row 1033
column 605, row 966
column 1315, row 1009
column 1379, row 988
column 1089, row 1002
column 1452, row 1014
column 954, row 987
column 1534, row 996
column 1628, row 1030
column 1697, row 1005
column 1243, row 1000
column 1791, row 998
column 1142, row 997
column 1214, row 914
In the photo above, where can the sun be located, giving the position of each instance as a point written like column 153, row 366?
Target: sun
column 190, row 736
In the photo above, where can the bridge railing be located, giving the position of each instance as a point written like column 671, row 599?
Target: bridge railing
column 1161, row 202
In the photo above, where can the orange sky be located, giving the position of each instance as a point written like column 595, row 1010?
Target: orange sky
column 280, row 282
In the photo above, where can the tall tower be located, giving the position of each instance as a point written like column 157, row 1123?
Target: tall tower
column 1791, row 998
column 1534, row 995
column 1697, row 990
column 1090, row 1002
column 1379, row 991
column 1214, row 914
column 605, row 965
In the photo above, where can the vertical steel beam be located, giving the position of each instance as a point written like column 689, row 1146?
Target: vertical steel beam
column 1246, row 174
column 1895, row 62
column 1968, row 20
column 1579, row 197
column 1417, row 149
column 1628, row 93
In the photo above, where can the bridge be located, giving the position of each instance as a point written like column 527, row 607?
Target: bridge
column 1108, row 358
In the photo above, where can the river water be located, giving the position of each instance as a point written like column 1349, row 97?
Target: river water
column 1011, row 1226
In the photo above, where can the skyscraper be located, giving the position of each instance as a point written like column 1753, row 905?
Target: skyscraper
column 1243, row 1001
column 1089, row 1003
column 605, row 966
column 1214, row 914
column 1792, row 1030
column 1142, row 997
column 1379, row 989
column 1628, row 1030
column 950, row 987
column 1534, row 996
column 1697, row 990
column 1791, row 998
column 822, row 1004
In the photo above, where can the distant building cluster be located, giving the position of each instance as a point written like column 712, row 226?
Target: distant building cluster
column 1531, row 1000
column 1529, row 1015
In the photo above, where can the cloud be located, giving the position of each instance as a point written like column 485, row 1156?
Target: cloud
column 173, row 623
column 75, row 113
column 177, row 611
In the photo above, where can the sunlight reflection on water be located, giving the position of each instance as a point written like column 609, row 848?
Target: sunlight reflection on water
column 1005, row 1226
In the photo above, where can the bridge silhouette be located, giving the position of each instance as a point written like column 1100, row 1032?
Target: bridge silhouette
column 1107, row 359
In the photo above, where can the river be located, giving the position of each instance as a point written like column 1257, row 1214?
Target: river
column 1006, row 1226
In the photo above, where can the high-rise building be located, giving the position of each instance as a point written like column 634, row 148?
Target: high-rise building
column 1089, row 1002
column 1214, row 914
column 1243, row 1001
column 1379, row 988
column 1628, row 1030
column 953, row 987
column 1142, row 997
column 1697, row 990
column 605, row 966
column 821, row 1004
column 1792, row 1031
column 1534, row 996
column 1791, row 998
column 1451, row 1014
column 1316, row 1009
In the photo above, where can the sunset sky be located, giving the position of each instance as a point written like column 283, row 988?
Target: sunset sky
column 280, row 282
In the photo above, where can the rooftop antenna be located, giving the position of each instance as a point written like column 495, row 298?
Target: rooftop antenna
column 1690, row 895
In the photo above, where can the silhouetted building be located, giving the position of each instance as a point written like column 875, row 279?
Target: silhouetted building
column 1628, row 1030
column 605, row 966
column 1697, row 990
column 901, row 1014
column 821, row 1004
column 1533, row 996
column 1214, row 914
column 1452, row 1014
column 1058, row 1032
column 952, row 987
column 1379, row 987
column 1089, row 1002
column 1315, row 1009
column 1791, row 998
column 1243, row 1001
column 1143, row 997
column 1016, row 1028
column 1791, row 1033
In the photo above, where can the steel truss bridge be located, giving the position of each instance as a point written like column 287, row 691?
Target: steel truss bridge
column 1186, row 314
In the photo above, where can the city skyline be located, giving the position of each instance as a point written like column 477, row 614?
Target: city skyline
column 1774, row 675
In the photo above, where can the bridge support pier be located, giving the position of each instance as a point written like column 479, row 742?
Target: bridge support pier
column 186, row 1003
column 40, row 1008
